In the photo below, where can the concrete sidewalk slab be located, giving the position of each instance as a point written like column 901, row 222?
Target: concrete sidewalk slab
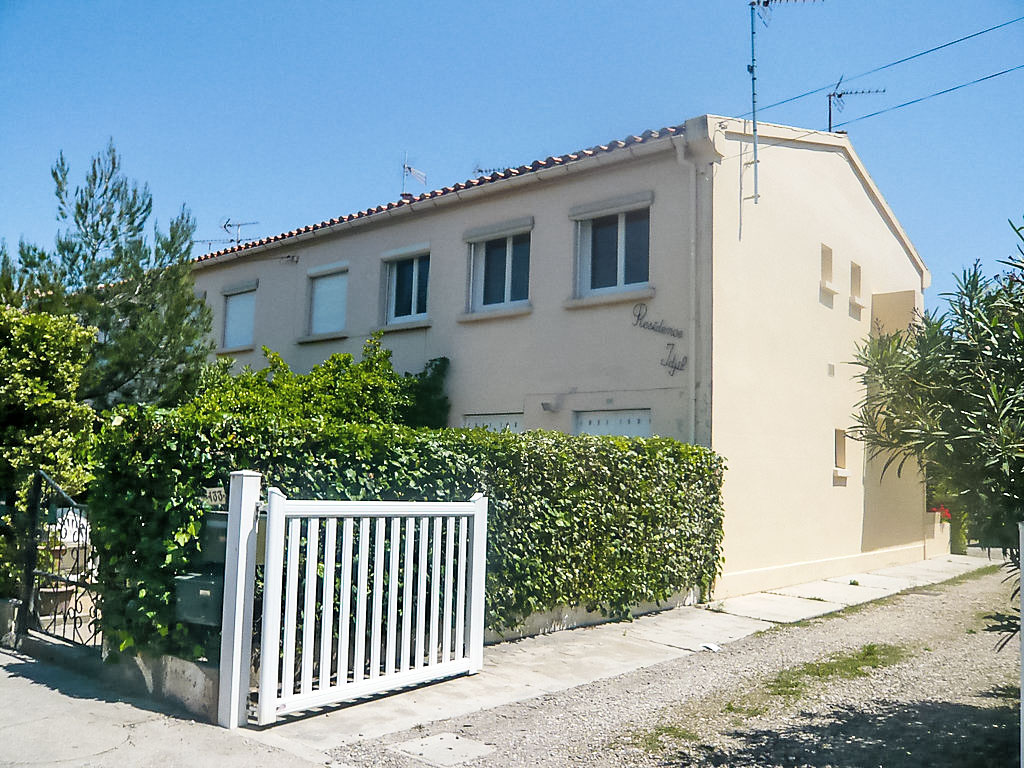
column 443, row 749
column 783, row 609
column 922, row 575
column 836, row 592
column 689, row 629
column 891, row 584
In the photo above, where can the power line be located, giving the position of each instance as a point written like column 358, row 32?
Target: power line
column 799, row 136
column 932, row 95
column 893, row 63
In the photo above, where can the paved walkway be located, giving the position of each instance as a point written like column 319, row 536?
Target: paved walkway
column 49, row 716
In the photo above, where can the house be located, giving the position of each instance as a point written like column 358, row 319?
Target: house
column 635, row 288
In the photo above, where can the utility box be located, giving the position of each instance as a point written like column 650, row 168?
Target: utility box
column 199, row 598
column 213, row 539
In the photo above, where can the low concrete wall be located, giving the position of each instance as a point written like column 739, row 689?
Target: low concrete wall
column 565, row 617
column 183, row 684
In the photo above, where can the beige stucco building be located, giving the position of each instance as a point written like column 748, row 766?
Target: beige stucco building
column 635, row 288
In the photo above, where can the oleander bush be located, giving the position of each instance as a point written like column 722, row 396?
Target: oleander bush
column 601, row 522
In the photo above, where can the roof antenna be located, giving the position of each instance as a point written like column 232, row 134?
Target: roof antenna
column 227, row 224
column 835, row 98
column 407, row 171
column 761, row 9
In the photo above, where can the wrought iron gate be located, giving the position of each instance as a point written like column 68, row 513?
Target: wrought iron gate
column 58, row 590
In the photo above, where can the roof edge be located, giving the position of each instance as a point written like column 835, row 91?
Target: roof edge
column 840, row 141
column 648, row 142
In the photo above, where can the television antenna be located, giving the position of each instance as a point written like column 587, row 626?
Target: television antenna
column 835, row 98
column 408, row 170
column 227, row 224
column 480, row 171
column 759, row 9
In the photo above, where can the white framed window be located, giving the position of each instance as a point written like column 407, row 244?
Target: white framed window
column 407, row 287
column 613, row 249
column 501, row 271
column 634, row 422
column 496, row 422
column 328, row 298
column 239, row 314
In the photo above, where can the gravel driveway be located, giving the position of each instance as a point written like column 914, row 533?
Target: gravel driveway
column 912, row 680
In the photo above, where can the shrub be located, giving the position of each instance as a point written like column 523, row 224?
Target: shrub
column 601, row 522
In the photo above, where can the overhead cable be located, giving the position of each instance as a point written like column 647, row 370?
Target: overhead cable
column 892, row 64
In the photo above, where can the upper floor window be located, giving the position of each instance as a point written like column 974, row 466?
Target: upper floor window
column 328, row 296
column 501, row 271
column 239, row 314
column 407, row 287
column 613, row 246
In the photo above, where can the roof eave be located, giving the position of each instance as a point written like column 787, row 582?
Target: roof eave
column 428, row 203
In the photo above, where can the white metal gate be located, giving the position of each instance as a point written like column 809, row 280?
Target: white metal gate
column 359, row 597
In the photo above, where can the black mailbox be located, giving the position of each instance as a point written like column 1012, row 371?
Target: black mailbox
column 213, row 540
column 199, row 597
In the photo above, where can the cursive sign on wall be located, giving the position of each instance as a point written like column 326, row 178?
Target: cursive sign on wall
column 658, row 326
column 672, row 361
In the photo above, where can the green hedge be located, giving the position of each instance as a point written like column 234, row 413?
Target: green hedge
column 600, row 522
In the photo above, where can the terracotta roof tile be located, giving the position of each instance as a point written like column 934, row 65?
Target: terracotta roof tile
column 506, row 173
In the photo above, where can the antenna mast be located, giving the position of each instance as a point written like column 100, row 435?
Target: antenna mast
column 761, row 8
column 755, row 6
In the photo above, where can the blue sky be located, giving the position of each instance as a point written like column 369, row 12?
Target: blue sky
column 288, row 114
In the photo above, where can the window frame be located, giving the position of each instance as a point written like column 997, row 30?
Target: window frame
column 392, row 260
column 478, row 273
column 320, row 273
column 584, row 216
column 228, row 293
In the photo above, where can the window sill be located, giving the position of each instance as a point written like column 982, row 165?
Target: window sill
column 497, row 313
column 828, row 287
column 840, row 474
column 235, row 350
column 611, row 297
column 406, row 325
column 313, row 338
column 857, row 303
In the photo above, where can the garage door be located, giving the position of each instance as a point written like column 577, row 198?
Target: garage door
column 627, row 423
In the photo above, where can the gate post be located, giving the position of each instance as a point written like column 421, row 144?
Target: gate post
column 239, row 584
column 477, row 584
column 28, row 584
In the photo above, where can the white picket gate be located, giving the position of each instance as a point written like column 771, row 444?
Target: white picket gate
column 359, row 597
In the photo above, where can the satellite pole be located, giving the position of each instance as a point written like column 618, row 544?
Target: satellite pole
column 835, row 98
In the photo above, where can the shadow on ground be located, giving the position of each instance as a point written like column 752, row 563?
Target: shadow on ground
column 892, row 734
column 77, row 686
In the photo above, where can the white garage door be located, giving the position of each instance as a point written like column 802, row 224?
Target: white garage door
column 627, row 423
column 495, row 422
